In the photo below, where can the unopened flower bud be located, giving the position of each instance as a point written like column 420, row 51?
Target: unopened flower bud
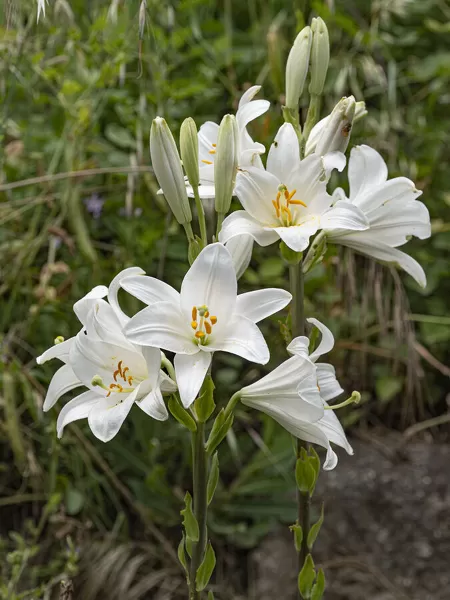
column 226, row 163
column 189, row 151
column 167, row 166
column 320, row 56
column 360, row 111
column 297, row 67
column 336, row 134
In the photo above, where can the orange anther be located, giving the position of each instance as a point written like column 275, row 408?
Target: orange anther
column 213, row 320
column 119, row 366
column 286, row 194
column 194, row 324
column 194, row 313
column 292, row 194
column 206, row 315
column 212, row 151
column 130, row 380
column 208, row 327
column 277, row 209
column 200, row 334
column 214, row 145
column 115, row 374
column 207, row 162
column 297, row 202
column 123, row 373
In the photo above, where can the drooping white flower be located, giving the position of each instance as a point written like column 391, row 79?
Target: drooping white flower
column 116, row 373
column 206, row 316
column 248, row 150
column 289, row 200
column 295, row 396
column 391, row 208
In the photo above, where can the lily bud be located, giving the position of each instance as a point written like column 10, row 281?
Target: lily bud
column 320, row 56
column 297, row 67
column 240, row 247
column 360, row 111
column 226, row 163
column 167, row 166
column 189, row 151
column 336, row 134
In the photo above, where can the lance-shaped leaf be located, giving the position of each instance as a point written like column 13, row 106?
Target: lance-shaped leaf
column 213, row 477
column 314, row 531
column 306, row 578
column 189, row 521
column 206, row 569
column 181, row 415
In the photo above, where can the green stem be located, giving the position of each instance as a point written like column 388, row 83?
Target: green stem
column 200, row 482
column 201, row 217
column 232, row 404
column 291, row 115
column 189, row 232
column 298, row 328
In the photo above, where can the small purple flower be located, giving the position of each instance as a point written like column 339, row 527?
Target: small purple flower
column 94, row 205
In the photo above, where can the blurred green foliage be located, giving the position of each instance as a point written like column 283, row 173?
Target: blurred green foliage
column 79, row 91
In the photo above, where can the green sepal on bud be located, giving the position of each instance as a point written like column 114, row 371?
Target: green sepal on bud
column 181, row 414
column 297, row 67
column 320, row 56
column 189, row 151
column 314, row 530
column 206, row 569
column 306, row 471
column 298, row 535
column 336, row 133
column 204, row 404
column 166, row 163
column 226, row 163
column 219, row 430
column 189, row 521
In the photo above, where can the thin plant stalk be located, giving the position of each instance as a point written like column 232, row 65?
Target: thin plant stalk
column 298, row 328
column 201, row 217
column 200, row 493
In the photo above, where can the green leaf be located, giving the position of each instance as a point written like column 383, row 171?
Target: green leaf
column 314, row 461
column 306, row 578
column 210, row 595
column 314, row 531
column 120, row 136
column 181, row 415
column 182, row 555
column 305, row 475
column 219, row 430
column 206, row 569
column 298, row 535
column 204, row 405
column 213, row 477
column 189, row 521
column 319, row 586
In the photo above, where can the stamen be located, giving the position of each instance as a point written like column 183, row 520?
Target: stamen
column 287, row 211
column 208, row 327
column 355, row 398
column 212, row 151
column 123, row 373
column 115, row 374
column 130, row 380
column 277, row 210
column 58, row 340
column 194, row 313
column 194, row 324
column 206, row 314
column 298, row 202
column 213, row 320
column 199, row 334
column 286, row 195
column 119, row 366
column 214, row 145
column 292, row 194
column 207, row 162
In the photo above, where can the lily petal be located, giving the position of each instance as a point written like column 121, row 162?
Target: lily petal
column 60, row 351
column 326, row 378
column 162, row 326
column 240, row 222
column 152, row 357
column 62, row 382
column 153, row 405
column 344, row 215
column 149, row 289
column 299, row 346
column 256, row 189
column 76, row 409
column 297, row 237
column 326, row 342
column 242, row 337
column 210, row 281
column 103, row 324
column 284, row 154
column 114, row 290
column 260, row 304
column 248, row 95
column 366, row 170
column 106, row 417
column 250, row 111
column 83, row 306
column 191, row 372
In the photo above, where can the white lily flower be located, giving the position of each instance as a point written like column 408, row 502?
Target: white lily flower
column 206, row 316
column 289, row 200
column 117, row 373
column 240, row 247
column 295, row 395
column 248, row 150
column 391, row 208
